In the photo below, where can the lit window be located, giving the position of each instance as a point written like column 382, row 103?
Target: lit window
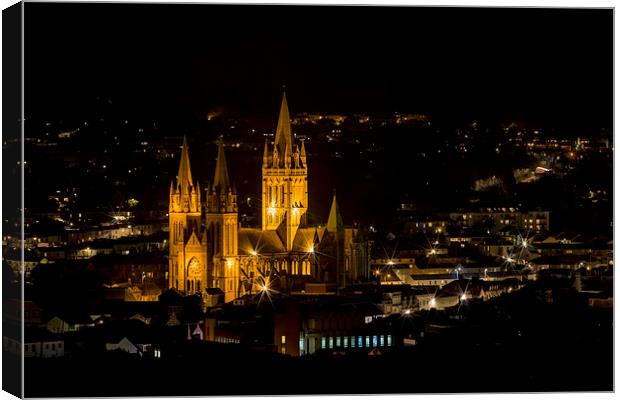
column 352, row 341
column 367, row 341
column 359, row 341
column 382, row 340
column 338, row 341
column 346, row 342
column 301, row 345
column 323, row 342
column 331, row 342
column 374, row 341
column 389, row 340
column 283, row 339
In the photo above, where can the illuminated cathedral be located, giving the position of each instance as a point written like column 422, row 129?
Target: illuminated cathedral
column 211, row 250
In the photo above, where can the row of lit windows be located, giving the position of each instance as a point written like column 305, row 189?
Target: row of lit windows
column 226, row 340
column 47, row 346
column 193, row 286
column 294, row 267
column 354, row 341
column 429, row 224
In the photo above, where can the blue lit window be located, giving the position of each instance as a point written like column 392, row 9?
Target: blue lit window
column 301, row 345
column 382, row 340
column 352, row 341
column 346, row 342
column 367, row 341
column 323, row 342
column 389, row 340
column 359, row 341
column 338, row 341
column 331, row 342
column 374, row 341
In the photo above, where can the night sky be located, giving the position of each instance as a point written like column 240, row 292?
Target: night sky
column 548, row 66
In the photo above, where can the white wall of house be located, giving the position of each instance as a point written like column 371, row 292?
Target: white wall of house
column 44, row 349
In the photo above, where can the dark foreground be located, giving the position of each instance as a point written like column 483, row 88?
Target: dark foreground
column 543, row 348
column 451, row 370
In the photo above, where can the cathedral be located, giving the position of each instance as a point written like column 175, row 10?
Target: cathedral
column 210, row 250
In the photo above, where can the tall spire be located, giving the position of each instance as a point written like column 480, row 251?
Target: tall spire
column 334, row 222
column 283, row 131
column 184, row 178
column 221, row 171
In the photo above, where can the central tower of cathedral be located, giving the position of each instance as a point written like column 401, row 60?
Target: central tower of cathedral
column 285, row 182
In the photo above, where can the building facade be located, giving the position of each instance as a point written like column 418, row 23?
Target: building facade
column 187, row 245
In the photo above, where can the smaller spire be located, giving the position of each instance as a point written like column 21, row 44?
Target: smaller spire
column 184, row 178
column 303, row 152
column 221, row 170
column 287, row 158
column 296, row 156
column 266, row 154
column 334, row 222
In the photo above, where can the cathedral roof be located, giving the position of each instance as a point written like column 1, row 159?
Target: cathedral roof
column 268, row 242
column 305, row 239
column 283, row 132
column 259, row 241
